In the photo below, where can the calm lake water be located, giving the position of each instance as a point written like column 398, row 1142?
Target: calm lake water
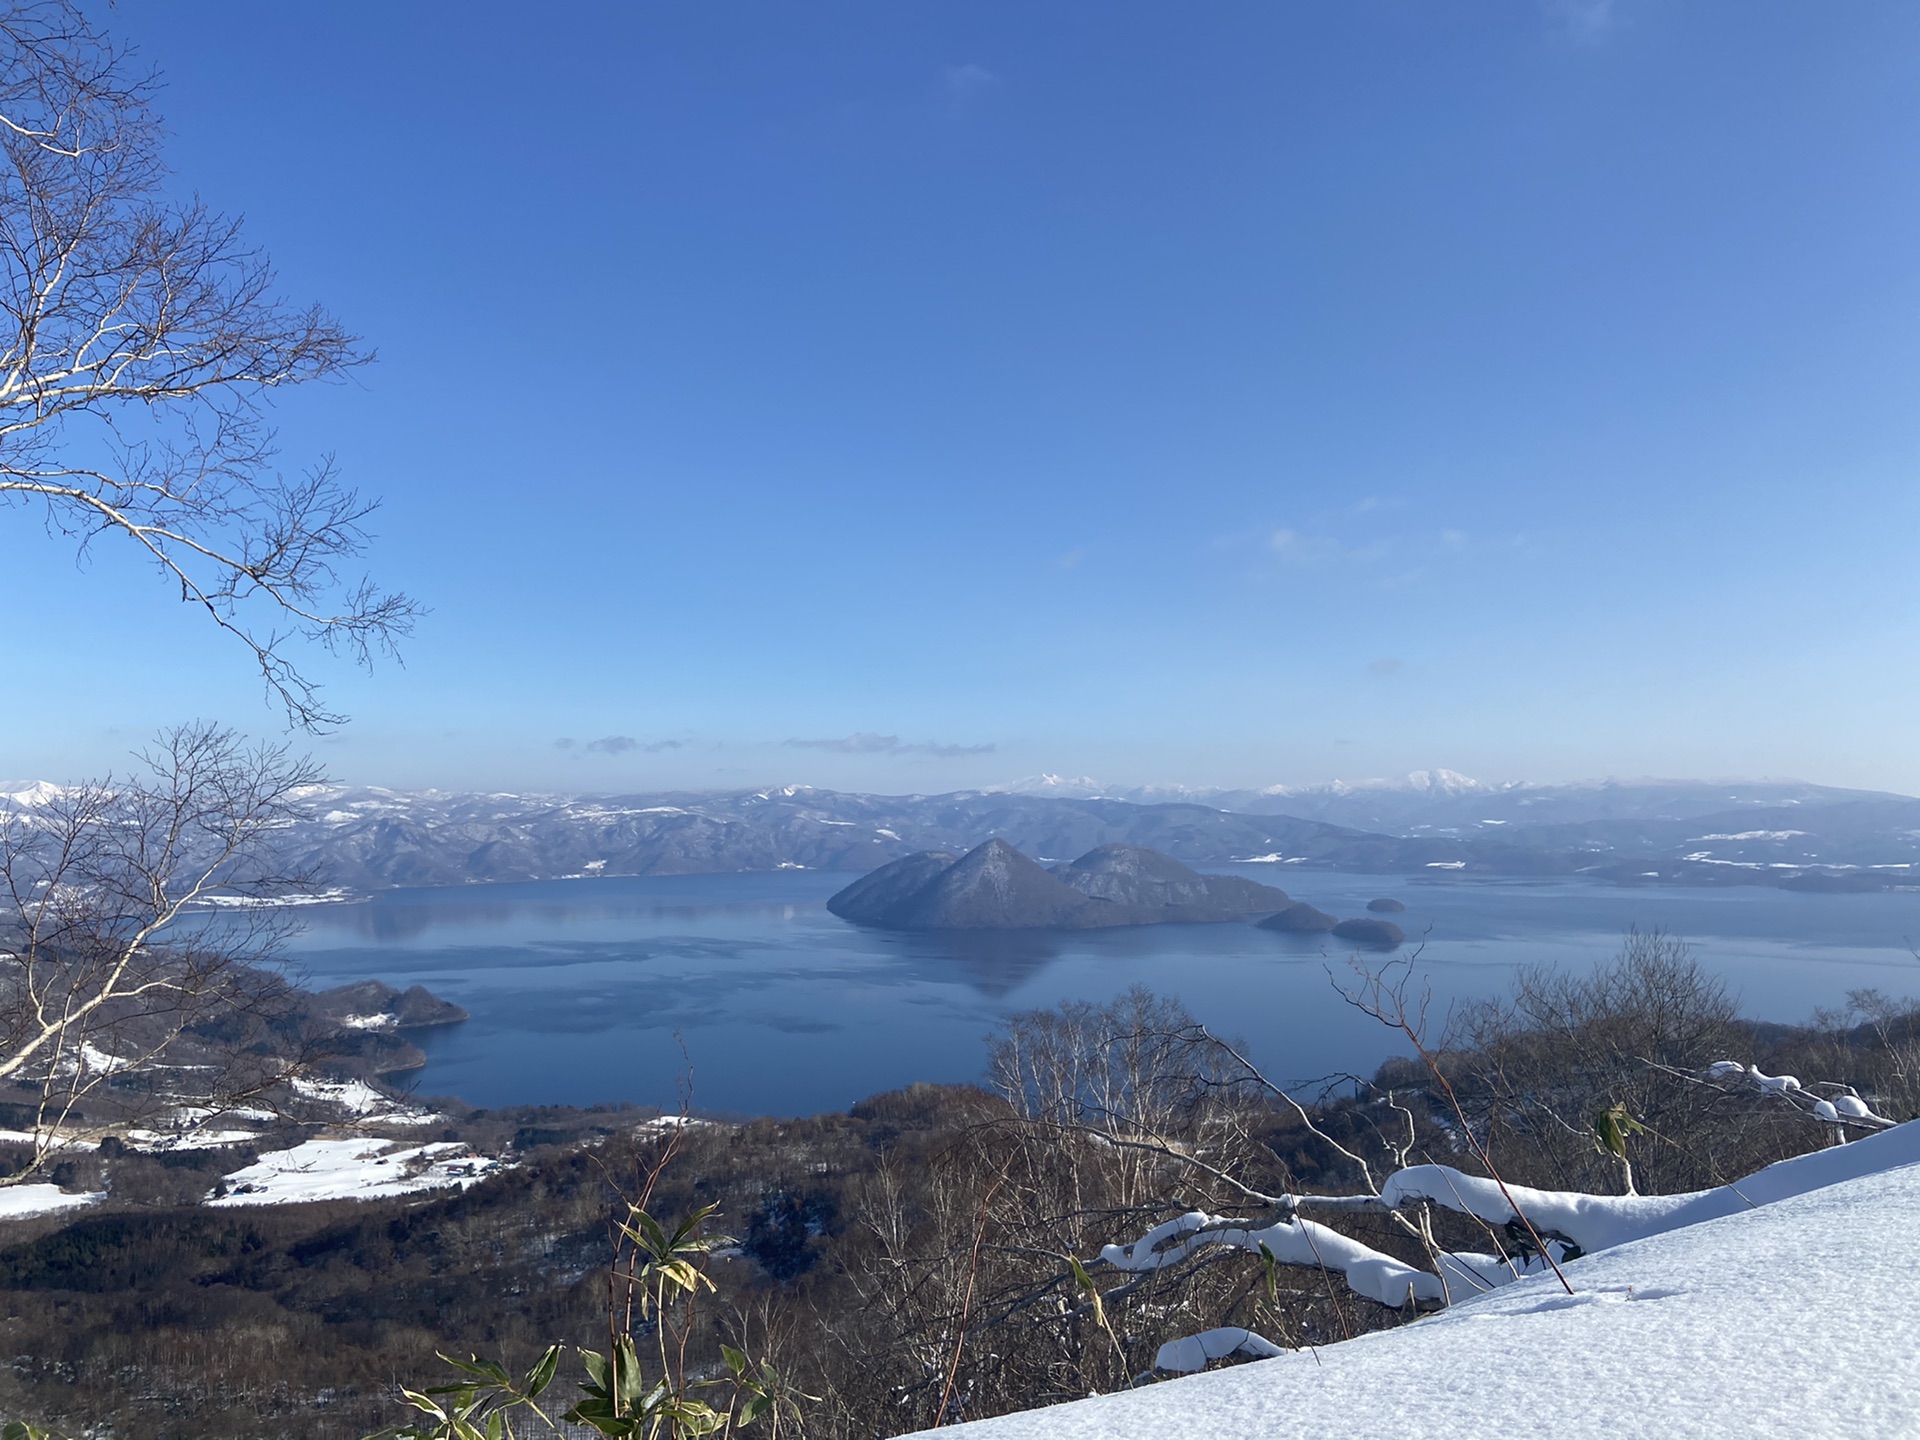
column 578, row 989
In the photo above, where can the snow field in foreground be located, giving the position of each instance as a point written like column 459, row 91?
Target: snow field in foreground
column 362, row 1169
column 1795, row 1318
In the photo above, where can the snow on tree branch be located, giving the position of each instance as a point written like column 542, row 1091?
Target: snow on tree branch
column 1369, row 1272
column 1576, row 1224
column 1192, row 1352
column 1840, row 1105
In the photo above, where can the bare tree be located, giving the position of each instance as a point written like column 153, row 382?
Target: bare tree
column 113, row 985
column 141, row 342
column 1561, row 1074
column 1549, row 1074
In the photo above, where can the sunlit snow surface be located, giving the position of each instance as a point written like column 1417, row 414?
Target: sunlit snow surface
column 360, row 1099
column 1795, row 1318
column 363, row 1169
column 19, row 1201
column 187, row 1139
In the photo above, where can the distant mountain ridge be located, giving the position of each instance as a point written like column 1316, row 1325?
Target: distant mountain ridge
column 362, row 839
column 1441, row 801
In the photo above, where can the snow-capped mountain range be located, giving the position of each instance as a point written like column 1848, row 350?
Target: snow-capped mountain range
column 1436, row 801
column 359, row 838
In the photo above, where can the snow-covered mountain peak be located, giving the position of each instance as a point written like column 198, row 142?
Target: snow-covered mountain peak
column 1432, row 783
column 40, row 792
column 1077, row 787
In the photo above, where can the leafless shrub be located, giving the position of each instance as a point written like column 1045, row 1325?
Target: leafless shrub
column 112, row 983
column 1538, row 1069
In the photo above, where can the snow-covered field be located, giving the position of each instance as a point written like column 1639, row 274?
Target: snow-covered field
column 365, row 1167
column 28, row 1137
column 360, row 1099
column 1794, row 1317
column 187, row 1139
column 360, row 1169
column 17, row 1202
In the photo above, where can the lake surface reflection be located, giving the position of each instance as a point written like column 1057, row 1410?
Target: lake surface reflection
column 587, row 990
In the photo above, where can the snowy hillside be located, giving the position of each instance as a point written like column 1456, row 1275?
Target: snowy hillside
column 1792, row 1318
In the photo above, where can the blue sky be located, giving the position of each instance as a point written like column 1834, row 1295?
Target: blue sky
column 1218, row 395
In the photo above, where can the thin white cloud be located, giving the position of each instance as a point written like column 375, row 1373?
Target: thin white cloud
column 963, row 82
column 618, row 745
column 863, row 742
column 1586, row 22
column 1318, row 552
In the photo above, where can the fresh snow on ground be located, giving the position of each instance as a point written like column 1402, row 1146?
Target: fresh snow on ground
column 31, row 1137
column 361, row 1169
column 1781, row 1305
column 358, row 1098
column 188, row 1139
column 338, row 895
column 667, row 1122
column 370, row 1022
column 19, row 1201
column 92, row 1059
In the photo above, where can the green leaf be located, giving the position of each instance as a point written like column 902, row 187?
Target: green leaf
column 485, row 1369
column 542, row 1373
column 626, row 1370
column 421, row 1402
column 1613, row 1125
column 591, row 1411
column 1089, row 1289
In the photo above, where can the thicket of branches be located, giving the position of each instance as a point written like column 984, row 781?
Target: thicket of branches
column 1535, row 1068
column 972, row 1254
column 117, row 999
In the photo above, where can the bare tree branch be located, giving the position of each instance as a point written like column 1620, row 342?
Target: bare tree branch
column 108, row 969
column 141, row 341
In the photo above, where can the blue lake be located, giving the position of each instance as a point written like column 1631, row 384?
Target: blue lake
column 588, row 990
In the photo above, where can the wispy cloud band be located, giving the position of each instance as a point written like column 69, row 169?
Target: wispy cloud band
column 864, row 742
column 617, row 745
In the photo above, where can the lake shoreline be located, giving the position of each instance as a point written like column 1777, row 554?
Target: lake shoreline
column 584, row 994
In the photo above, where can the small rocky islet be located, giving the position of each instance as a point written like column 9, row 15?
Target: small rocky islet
column 996, row 887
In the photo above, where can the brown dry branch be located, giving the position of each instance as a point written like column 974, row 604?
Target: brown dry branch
column 1383, row 996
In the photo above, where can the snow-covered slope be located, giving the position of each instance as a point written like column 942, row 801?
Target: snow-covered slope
column 367, row 1168
column 19, row 1201
column 1795, row 1318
